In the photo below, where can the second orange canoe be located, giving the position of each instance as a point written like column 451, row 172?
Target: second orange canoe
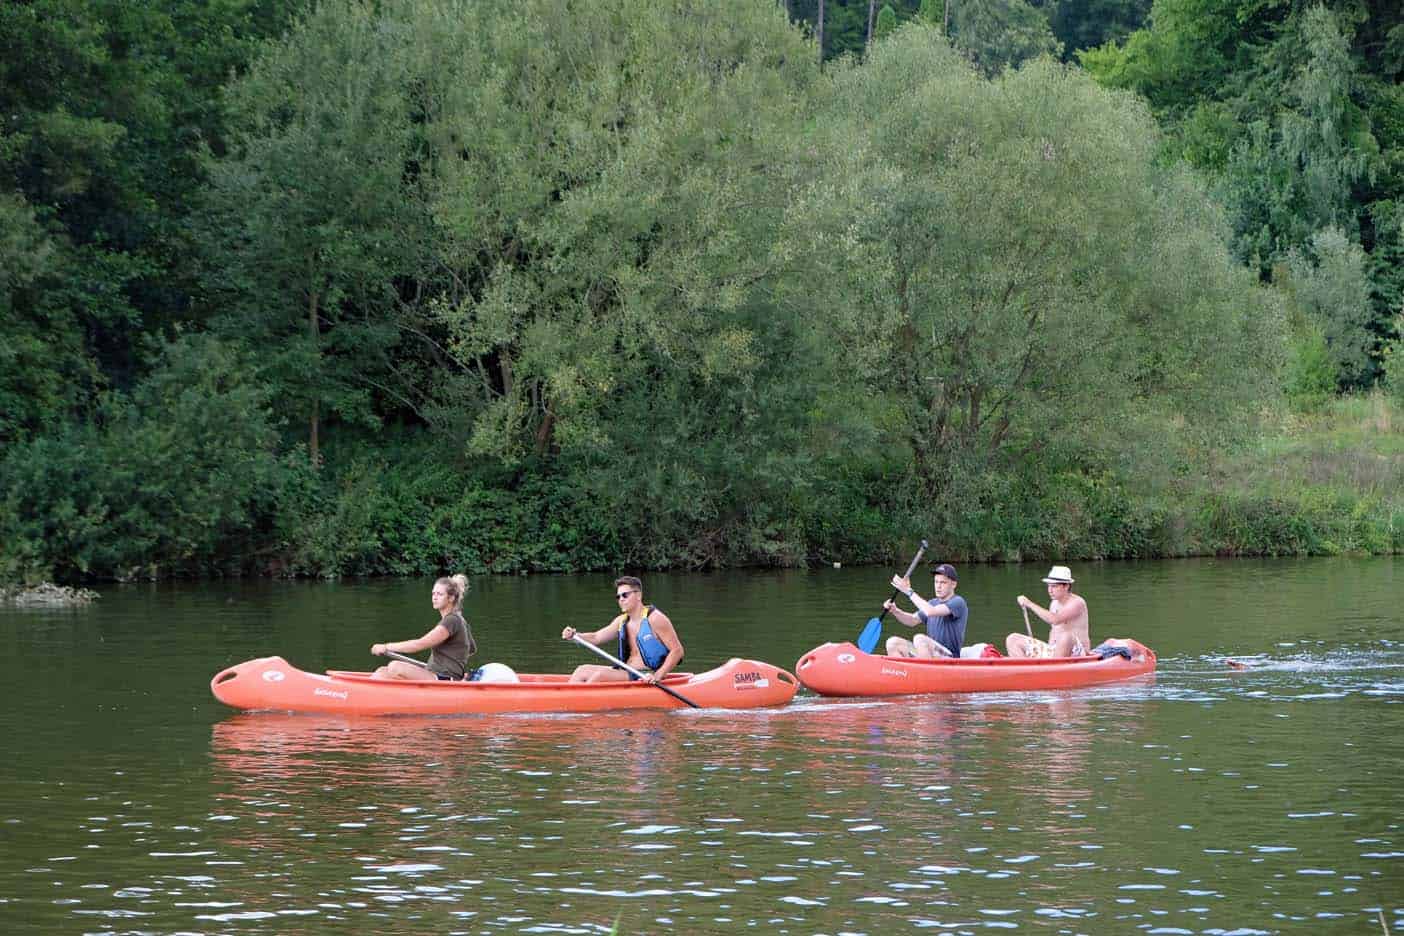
column 841, row 669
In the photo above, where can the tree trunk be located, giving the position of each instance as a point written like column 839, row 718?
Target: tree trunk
column 946, row 20
column 313, row 448
column 820, row 31
column 872, row 6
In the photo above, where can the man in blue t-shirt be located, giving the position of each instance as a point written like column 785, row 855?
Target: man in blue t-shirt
column 944, row 616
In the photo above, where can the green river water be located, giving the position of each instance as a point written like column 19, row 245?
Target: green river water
column 1204, row 801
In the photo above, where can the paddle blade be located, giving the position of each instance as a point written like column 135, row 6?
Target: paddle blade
column 869, row 638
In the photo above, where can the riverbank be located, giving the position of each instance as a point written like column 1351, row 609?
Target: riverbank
column 47, row 595
column 1326, row 484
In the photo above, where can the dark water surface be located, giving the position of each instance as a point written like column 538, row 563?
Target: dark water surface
column 1204, row 801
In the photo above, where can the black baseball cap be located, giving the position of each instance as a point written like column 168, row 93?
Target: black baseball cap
column 946, row 569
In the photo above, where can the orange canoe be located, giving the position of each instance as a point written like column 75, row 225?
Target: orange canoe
column 844, row 670
column 273, row 683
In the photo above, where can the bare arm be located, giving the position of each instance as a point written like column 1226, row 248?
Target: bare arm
column 1066, row 612
column 922, row 605
column 663, row 628
column 605, row 634
column 902, row 617
column 435, row 636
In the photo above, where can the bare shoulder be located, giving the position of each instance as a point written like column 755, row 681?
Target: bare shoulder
column 659, row 619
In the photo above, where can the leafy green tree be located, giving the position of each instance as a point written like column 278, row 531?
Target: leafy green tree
column 1393, row 363
column 1294, row 110
column 999, row 34
column 886, row 22
column 1012, row 270
column 177, row 477
column 315, row 219
column 1331, row 286
column 612, row 234
column 105, row 104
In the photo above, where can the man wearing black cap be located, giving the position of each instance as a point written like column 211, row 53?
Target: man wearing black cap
column 944, row 617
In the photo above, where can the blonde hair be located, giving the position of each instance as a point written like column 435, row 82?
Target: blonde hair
column 456, row 586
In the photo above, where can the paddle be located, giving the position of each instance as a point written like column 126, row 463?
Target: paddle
column 1026, row 620
column 873, row 629
column 408, row 659
column 622, row 665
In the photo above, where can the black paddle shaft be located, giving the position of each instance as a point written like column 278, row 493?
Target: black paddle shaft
column 911, row 568
column 626, row 667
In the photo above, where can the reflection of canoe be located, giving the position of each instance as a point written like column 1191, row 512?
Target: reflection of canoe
column 273, row 683
column 844, row 670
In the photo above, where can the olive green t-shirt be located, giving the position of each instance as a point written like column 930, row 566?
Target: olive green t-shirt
column 450, row 658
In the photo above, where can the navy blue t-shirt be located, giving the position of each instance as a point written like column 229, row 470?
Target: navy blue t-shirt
column 948, row 631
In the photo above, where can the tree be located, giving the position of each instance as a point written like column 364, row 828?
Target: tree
column 886, row 22
column 315, row 218
column 1088, row 24
column 1331, row 287
column 1294, row 111
column 999, row 34
column 1013, row 270
column 105, row 103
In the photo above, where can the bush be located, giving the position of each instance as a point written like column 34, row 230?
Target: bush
column 1394, row 364
column 180, row 477
column 1311, row 374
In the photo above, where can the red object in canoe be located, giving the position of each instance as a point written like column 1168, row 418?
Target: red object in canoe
column 844, row 670
column 273, row 683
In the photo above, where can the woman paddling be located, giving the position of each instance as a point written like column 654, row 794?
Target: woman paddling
column 451, row 640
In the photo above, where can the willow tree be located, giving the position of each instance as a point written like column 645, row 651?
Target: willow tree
column 1011, row 270
column 607, row 193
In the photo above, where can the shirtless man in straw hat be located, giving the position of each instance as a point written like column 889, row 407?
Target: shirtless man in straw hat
column 1066, row 616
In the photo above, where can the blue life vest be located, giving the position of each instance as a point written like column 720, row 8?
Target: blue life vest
column 653, row 650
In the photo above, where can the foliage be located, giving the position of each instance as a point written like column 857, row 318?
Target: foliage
column 1311, row 374
column 1294, row 109
column 105, row 102
column 1000, row 34
column 312, row 221
column 1088, row 24
column 174, row 478
column 886, row 22
column 1394, row 363
column 1332, row 289
column 1072, row 284
column 617, row 284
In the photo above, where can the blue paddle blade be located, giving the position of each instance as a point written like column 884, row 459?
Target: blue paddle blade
column 869, row 638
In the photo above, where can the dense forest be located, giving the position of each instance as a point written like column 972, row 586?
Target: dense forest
column 355, row 288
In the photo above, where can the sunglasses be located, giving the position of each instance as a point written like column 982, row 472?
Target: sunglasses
column 622, row 595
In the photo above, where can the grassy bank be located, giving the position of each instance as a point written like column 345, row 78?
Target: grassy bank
column 1327, row 483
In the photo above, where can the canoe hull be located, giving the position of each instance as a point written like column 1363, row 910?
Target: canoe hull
column 271, row 683
column 844, row 670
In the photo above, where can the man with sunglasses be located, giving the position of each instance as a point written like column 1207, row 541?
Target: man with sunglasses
column 646, row 639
